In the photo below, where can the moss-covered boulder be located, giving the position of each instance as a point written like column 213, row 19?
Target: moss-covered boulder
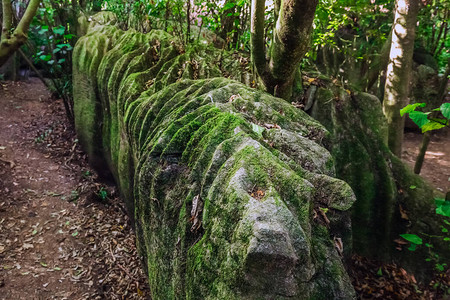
column 232, row 191
column 391, row 199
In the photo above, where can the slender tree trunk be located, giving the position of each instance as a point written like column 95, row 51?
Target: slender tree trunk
column 290, row 42
column 399, row 70
column 423, row 150
column 188, row 21
column 379, row 64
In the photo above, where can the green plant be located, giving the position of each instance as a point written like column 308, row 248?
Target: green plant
column 443, row 209
column 52, row 38
column 41, row 137
column 102, row 194
column 428, row 121
column 74, row 195
column 86, row 174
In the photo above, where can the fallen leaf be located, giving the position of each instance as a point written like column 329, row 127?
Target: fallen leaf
column 403, row 214
column 339, row 245
column 27, row 246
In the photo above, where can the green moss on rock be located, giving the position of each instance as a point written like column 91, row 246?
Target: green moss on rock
column 222, row 211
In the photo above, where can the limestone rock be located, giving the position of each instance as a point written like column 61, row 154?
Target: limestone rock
column 223, row 180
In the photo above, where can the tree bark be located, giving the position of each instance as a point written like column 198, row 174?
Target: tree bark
column 423, row 150
column 11, row 41
column 289, row 44
column 380, row 63
column 399, row 70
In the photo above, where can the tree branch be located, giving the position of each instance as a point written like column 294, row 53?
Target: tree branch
column 9, row 44
column 7, row 19
column 28, row 16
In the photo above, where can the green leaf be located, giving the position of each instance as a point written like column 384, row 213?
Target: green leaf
column 43, row 264
column 432, row 126
column 43, row 30
column 75, row 233
column 439, row 267
column 410, row 108
column 59, row 30
column 445, row 110
column 380, row 272
column 414, row 239
column 419, row 118
column 412, row 247
column 413, row 187
column 45, row 57
column 442, row 207
column 229, row 5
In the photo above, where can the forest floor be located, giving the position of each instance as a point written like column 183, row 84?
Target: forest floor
column 64, row 233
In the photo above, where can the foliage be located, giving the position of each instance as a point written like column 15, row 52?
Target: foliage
column 443, row 209
column 433, row 30
column 52, row 38
column 369, row 22
column 428, row 121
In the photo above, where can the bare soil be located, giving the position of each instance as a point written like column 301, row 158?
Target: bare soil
column 436, row 166
column 63, row 233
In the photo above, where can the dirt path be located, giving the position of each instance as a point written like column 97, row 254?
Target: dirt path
column 63, row 234
column 436, row 166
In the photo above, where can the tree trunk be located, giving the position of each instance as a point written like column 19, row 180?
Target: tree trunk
column 399, row 70
column 423, row 150
column 379, row 64
column 426, row 137
column 289, row 44
column 10, row 42
column 227, row 21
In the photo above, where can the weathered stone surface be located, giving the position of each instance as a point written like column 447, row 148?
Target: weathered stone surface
column 224, row 181
column 386, row 206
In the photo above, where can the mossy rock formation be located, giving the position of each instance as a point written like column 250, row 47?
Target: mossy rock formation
column 233, row 193
column 391, row 199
